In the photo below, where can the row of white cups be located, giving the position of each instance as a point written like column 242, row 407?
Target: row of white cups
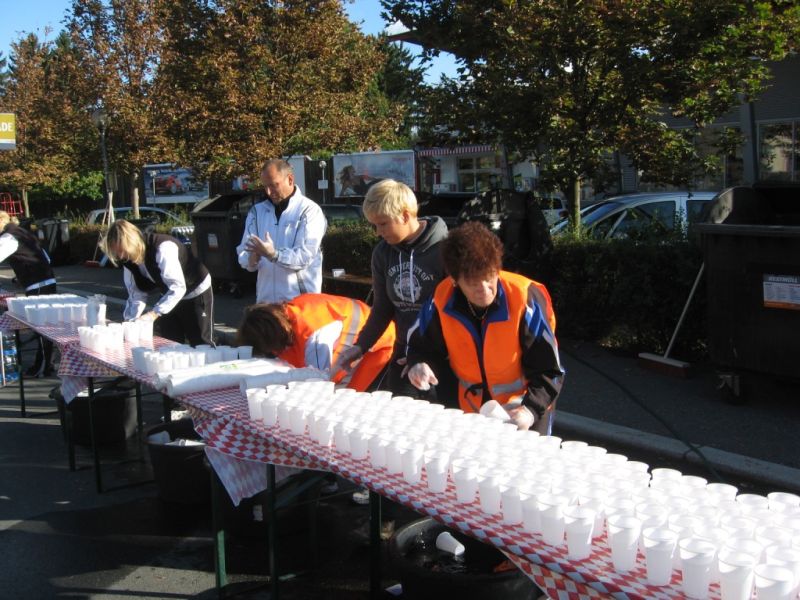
column 59, row 310
column 180, row 356
column 564, row 491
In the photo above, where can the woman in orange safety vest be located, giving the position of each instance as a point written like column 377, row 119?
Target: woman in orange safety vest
column 495, row 329
column 311, row 330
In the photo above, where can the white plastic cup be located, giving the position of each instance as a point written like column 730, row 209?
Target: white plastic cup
column 213, row 355
column 785, row 557
column 697, row 557
column 269, row 411
column 531, row 519
column 137, row 354
column 437, row 479
column 489, row 494
column 736, row 574
column 145, row 330
column 511, row 502
column 244, row 352
column 551, row 517
column 197, row 358
column 359, row 444
column 579, row 525
column 377, row 451
column 659, row 546
column 254, row 400
column 228, row 353
column 411, row 459
column 774, row 582
column 466, row 482
column 623, row 537
column 447, row 543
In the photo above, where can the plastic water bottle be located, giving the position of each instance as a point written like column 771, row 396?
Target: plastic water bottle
column 10, row 365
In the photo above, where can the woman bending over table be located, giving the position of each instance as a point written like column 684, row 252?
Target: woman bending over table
column 495, row 329
column 312, row 330
column 158, row 262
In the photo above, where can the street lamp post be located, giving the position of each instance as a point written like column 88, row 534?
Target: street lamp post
column 100, row 120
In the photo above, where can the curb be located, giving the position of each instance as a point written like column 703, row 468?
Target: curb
column 772, row 474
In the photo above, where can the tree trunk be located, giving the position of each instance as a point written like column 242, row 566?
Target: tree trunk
column 135, row 194
column 26, row 209
column 574, row 203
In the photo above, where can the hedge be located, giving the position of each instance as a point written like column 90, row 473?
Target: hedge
column 624, row 294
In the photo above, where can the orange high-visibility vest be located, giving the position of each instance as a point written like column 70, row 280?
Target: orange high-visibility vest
column 309, row 312
column 499, row 351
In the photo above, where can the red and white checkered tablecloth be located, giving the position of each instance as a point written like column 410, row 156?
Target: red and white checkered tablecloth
column 221, row 417
column 78, row 363
column 4, row 296
column 9, row 322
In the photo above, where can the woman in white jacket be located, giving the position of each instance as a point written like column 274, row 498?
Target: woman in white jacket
column 282, row 238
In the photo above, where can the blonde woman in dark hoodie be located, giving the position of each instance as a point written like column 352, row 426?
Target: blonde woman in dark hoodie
column 406, row 267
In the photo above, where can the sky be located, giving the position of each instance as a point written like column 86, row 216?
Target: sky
column 36, row 16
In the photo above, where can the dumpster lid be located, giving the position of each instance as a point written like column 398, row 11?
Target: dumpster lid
column 224, row 202
column 763, row 203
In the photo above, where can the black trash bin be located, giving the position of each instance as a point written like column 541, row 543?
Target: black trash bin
column 752, row 258
column 179, row 471
column 429, row 574
column 53, row 237
column 114, row 415
column 218, row 228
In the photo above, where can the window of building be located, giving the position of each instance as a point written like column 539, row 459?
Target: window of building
column 778, row 151
column 479, row 173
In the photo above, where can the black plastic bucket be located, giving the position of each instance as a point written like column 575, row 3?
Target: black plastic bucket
column 180, row 474
column 114, row 414
column 422, row 582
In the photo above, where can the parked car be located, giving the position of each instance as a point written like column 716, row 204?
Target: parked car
column 553, row 208
column 158, row 215
column 636, row 214
column 341, row 212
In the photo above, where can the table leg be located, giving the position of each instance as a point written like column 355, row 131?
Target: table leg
column 218, row 529
column 98, row 477
column 272, row 535
column 21, row 372
column 374, row 545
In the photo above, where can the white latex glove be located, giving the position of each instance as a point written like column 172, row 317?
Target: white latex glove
column 421, row 376
column 346, row 359
column 522, row 417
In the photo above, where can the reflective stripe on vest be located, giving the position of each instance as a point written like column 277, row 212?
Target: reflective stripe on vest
column 348, row 338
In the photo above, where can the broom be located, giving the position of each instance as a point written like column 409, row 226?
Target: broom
column 663, row 363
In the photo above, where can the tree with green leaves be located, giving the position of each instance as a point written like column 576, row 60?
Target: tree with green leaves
column 50, row 132
column 3, row 74
column 568, row 83
column 118, row 45
column 402, row 81
column 241, row 81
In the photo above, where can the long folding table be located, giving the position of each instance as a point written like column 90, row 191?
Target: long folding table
column 242, row 447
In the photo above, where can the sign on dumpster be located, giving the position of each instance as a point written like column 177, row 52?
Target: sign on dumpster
column 8, row 131
column 782, row 291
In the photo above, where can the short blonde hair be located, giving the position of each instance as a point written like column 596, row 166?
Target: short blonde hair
column 389, row 198
column 5, row 219
column 126, row 237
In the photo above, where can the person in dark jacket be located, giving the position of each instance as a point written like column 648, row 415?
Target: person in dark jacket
column 31, row 266
column 158, row 262
column 406, row 267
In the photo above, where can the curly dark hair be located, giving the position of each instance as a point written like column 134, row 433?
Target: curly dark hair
column 471, row 250
column 267, row 328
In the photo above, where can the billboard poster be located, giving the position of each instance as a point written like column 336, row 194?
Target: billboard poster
column 167, row 184
column 8, row 131
column 355, row 173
